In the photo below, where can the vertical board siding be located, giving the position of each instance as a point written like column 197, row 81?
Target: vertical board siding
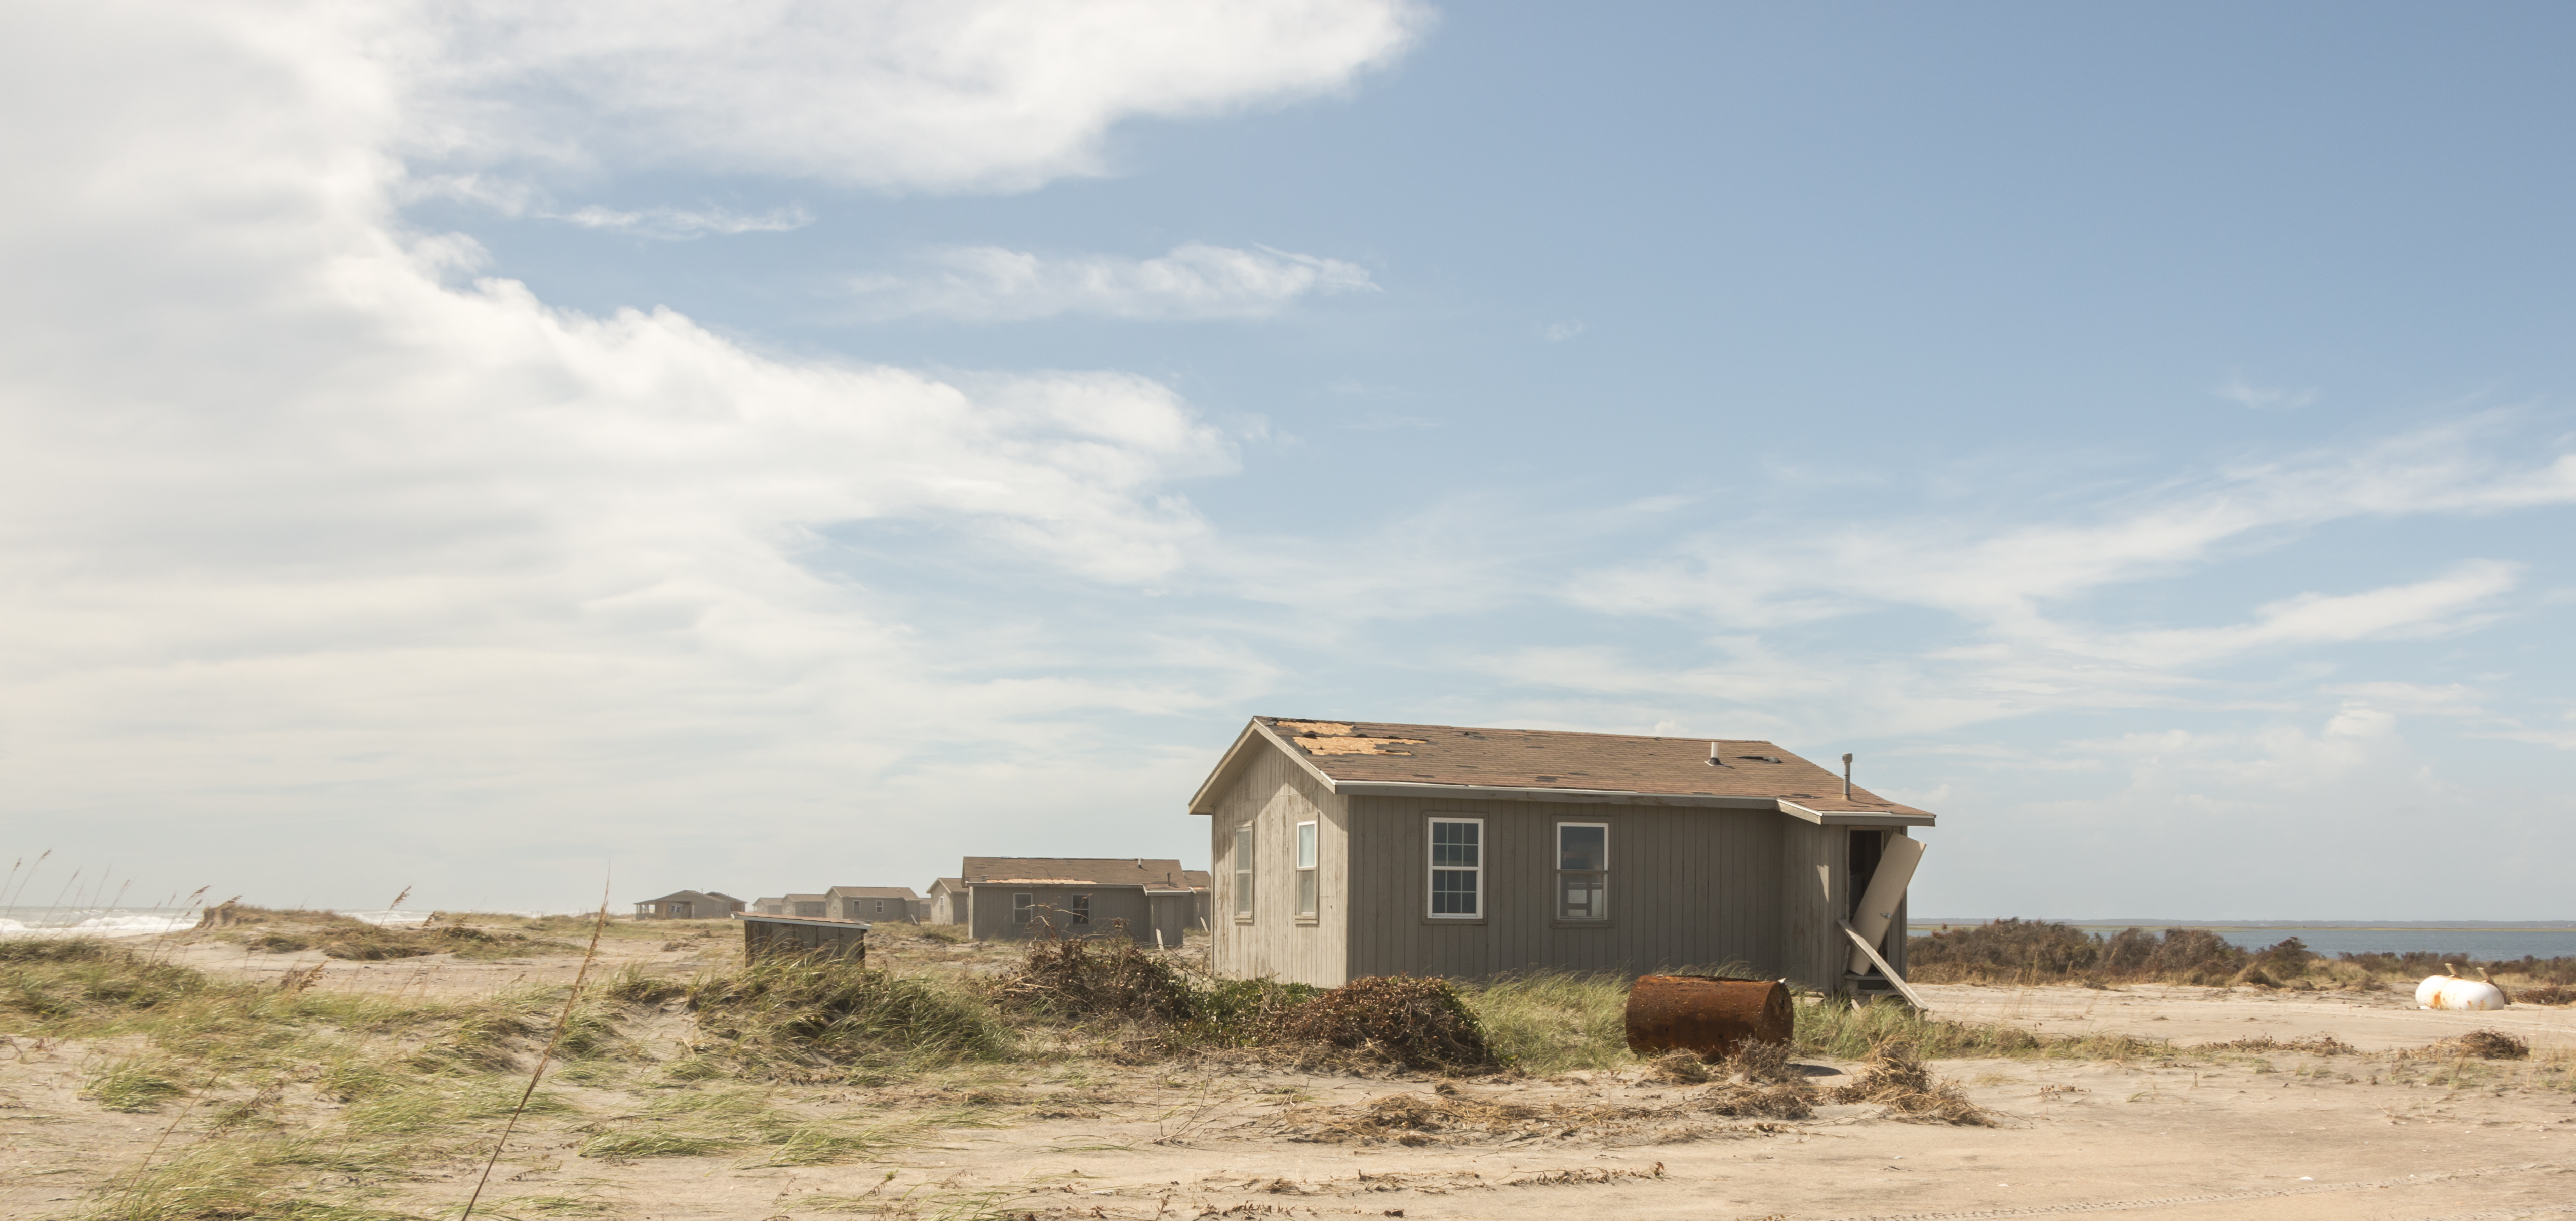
column 1813, row 861
column 1274, row 794
column 991, row 912
column 1688, row 887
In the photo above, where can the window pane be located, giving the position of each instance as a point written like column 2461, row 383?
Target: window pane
column 1082, row 909
column 1453, row 892
column 1582, row 847
column 1020, row 905
column 1305, row 845
column 1582, row 897
column 1305, row 892
column 1454, row 843
column 1243, row 870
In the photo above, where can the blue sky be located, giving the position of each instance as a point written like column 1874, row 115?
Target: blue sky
column 454, row 449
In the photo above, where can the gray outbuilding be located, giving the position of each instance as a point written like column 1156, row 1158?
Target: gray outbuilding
column 689, row 905
column 870, row 903
column 1346, row 849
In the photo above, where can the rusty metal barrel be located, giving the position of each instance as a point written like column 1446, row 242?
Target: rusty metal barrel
column 1714, row 1017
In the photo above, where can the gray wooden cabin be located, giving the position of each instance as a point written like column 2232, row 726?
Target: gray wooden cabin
column 689, row 905
column 1576, row 851
column 1151, row 873
column 947, row 901
column 1014, row 908
column 871, row 903
column 1007, row 897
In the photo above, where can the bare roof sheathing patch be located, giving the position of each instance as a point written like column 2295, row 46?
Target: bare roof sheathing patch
column 1337, row 738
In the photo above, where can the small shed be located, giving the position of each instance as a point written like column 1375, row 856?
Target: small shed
column 872, row 903
column 1350, row 848
column 688, row 905
column 948, row 901
column 773, row 905
column 808, row 907
column 775, row 936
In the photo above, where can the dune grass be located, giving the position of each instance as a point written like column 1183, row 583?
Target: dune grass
column 1555, row 1021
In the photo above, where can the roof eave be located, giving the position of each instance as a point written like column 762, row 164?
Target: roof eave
column 1857, row 818
column 1204, row 801
column 1831, row 818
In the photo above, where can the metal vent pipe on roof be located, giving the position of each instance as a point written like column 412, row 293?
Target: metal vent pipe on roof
column 1713, row 760
column 1846, row 775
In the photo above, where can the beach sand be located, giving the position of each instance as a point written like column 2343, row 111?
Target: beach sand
column 2204, row 1135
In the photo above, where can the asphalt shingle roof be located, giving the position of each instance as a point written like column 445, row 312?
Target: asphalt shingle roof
column 1543, row 759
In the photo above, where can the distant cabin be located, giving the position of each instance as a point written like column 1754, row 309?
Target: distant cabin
column 1346, row 849
column 873, row 904
column 807, row 907
column 1009, row 897
column 948, row 901
column 689, row 905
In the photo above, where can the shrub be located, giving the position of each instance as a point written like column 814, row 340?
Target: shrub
column 1422, row 1024
column 813, row 1019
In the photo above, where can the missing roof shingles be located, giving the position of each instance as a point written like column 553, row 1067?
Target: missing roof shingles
column 1338, row 738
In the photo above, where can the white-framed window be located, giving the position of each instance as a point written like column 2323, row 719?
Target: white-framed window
column 1305, row 869
column 1081, row 909
column 1582, row 871
column 880, row 907
column 1457, row 868
column 1023, row 906
column 1243, row 872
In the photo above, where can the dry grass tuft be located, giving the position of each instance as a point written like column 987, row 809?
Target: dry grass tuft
column 2479, row 1045
column 1896, row 1078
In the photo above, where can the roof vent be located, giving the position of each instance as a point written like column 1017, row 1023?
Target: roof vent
column 1846, row 775
column 1713, row 760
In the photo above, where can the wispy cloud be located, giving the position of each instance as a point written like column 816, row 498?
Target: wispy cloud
column 2244, row 393
column 681, row 223
column 1195, row 280
column 512, row 197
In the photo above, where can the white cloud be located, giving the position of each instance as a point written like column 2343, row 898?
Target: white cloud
column 1559, row 332
column 2245, row 394
column 308, row 538
column 1194, row 280
column 901, row 94
column 681, row 223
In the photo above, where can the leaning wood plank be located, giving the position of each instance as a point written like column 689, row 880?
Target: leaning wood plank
column 1890, row 972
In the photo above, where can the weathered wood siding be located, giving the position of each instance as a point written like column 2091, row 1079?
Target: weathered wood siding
column 1687, row 887
column 1817, row 890
column 1814, row 892
column 789, row 938
column 989, row 913
column 1274, row 794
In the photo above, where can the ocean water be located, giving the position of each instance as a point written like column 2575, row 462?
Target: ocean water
column 2553, row 939
column 139, row 921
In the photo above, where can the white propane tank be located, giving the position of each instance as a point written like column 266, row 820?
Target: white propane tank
column 2453, row 992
